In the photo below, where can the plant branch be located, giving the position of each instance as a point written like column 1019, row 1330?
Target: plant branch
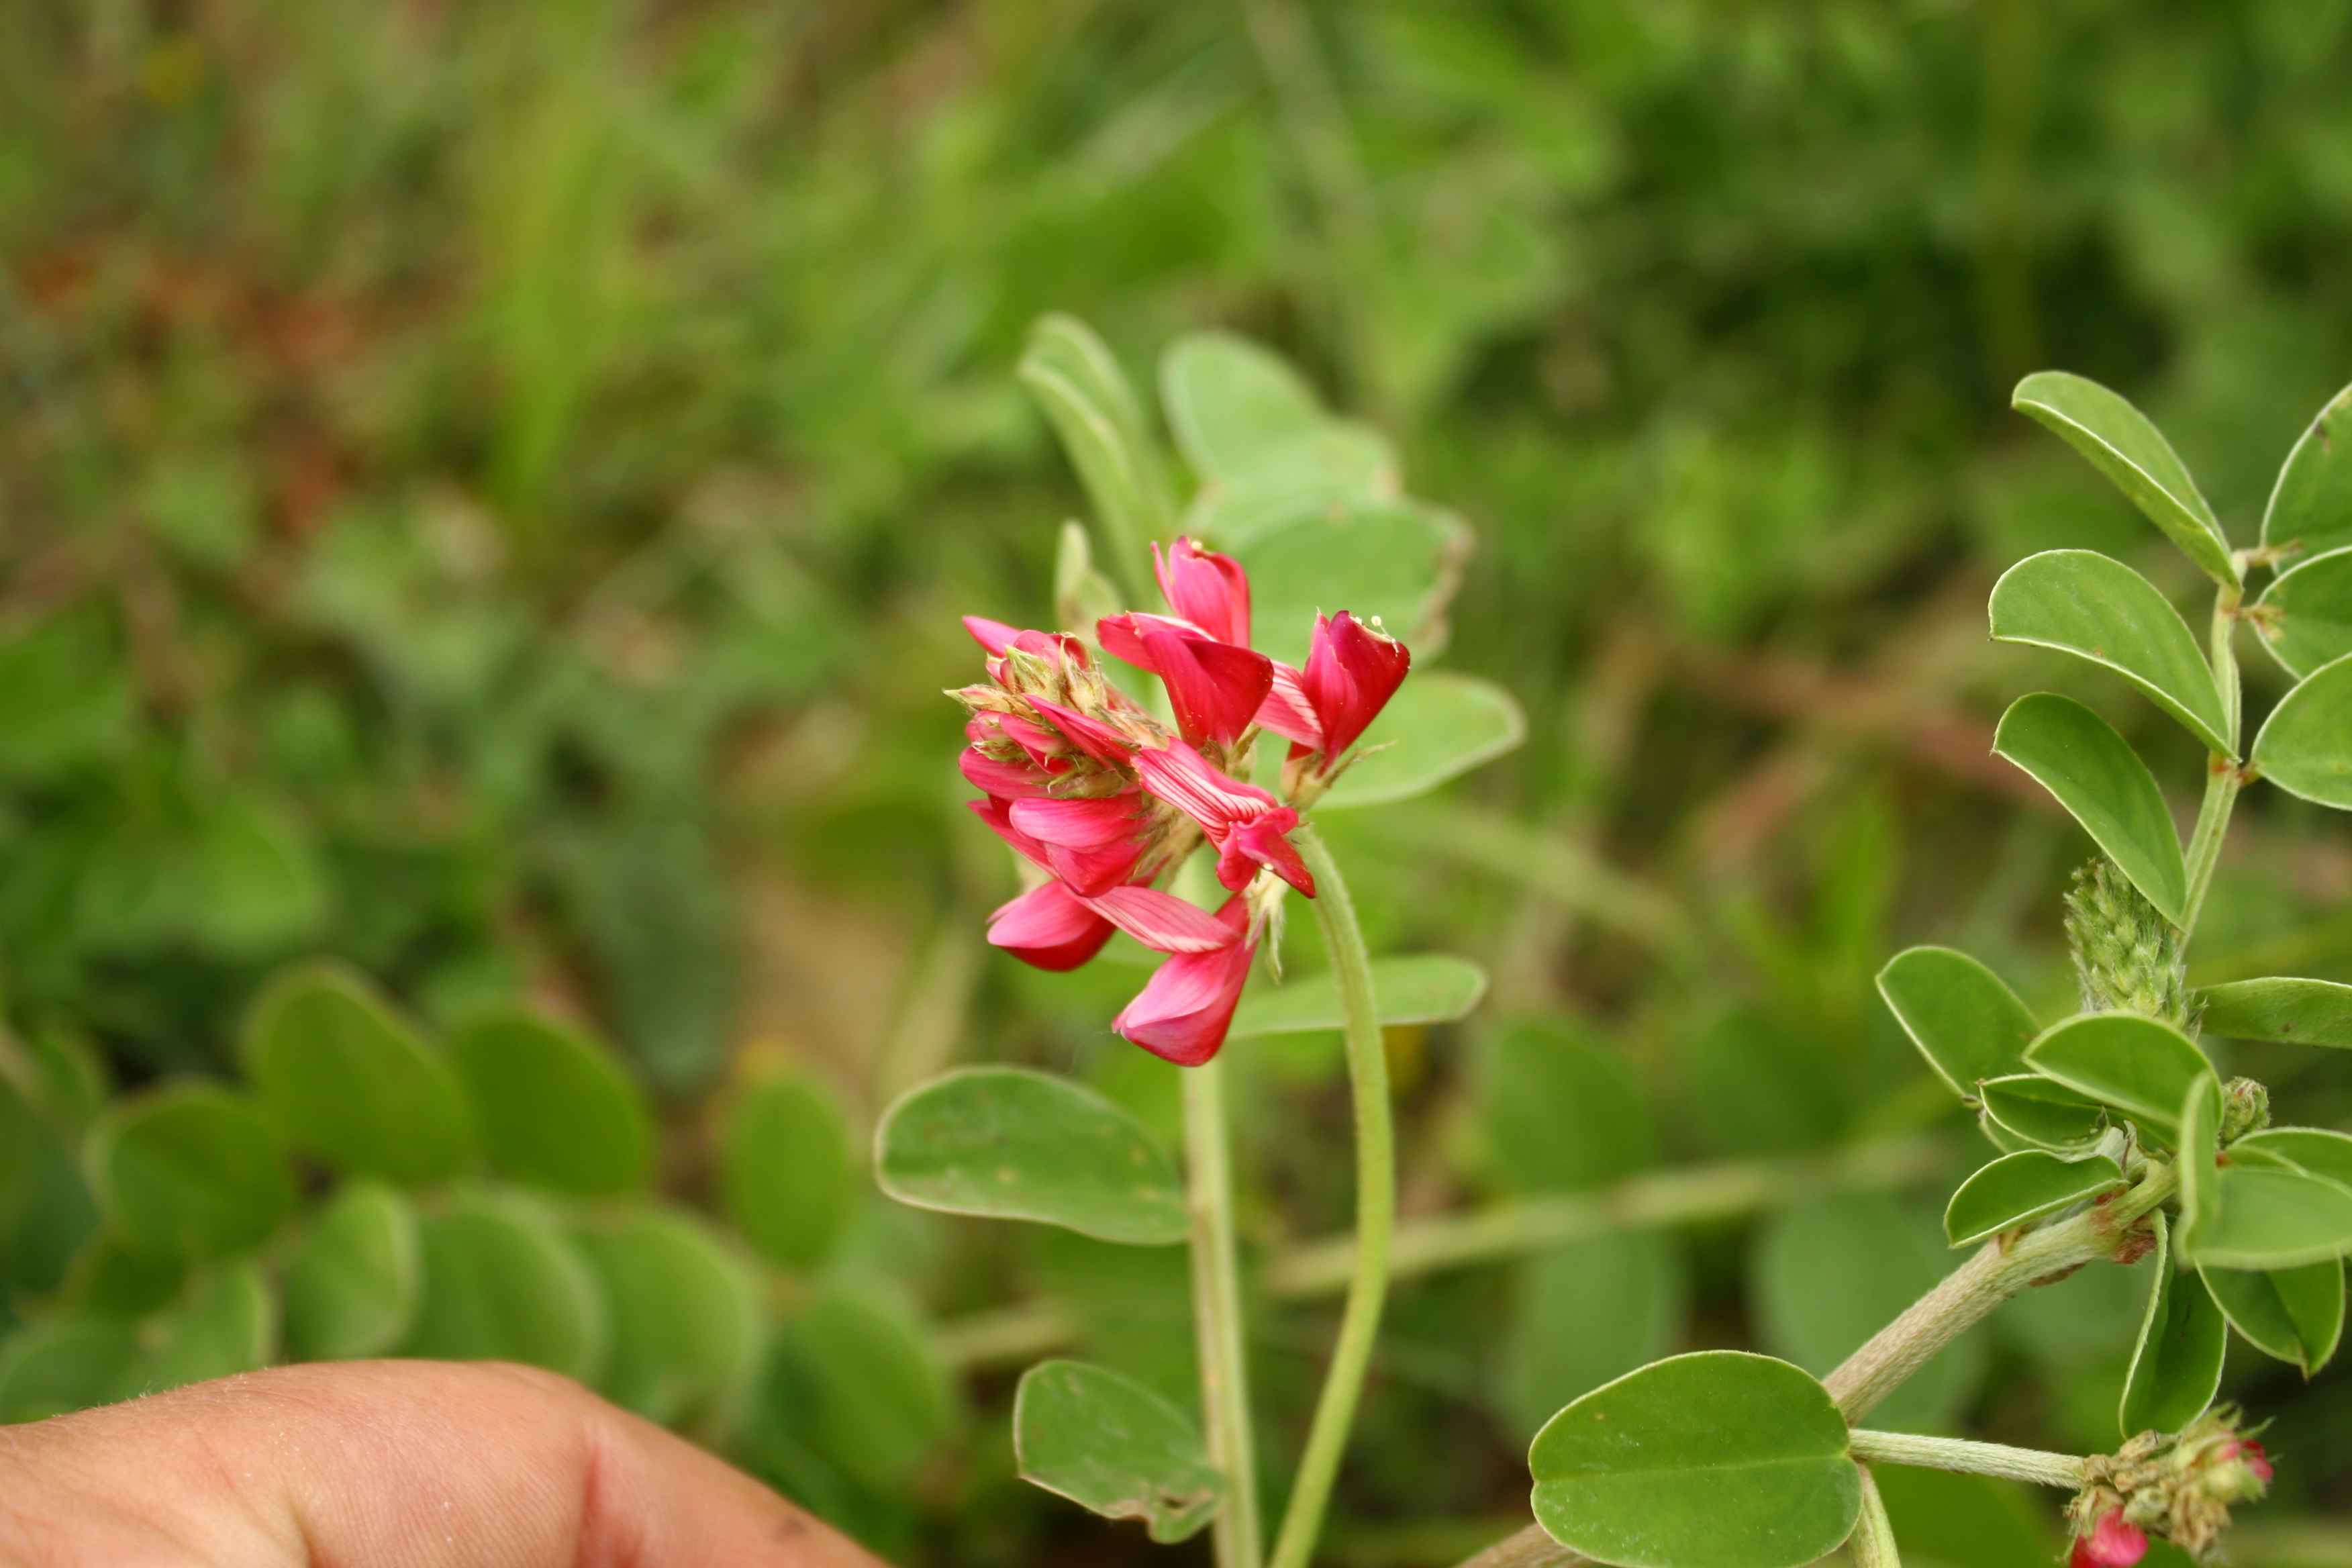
column 2223, row 777
column 1973, row 1458
column 1217, row 1314
column 1360, row 1321
column 1871, row 1544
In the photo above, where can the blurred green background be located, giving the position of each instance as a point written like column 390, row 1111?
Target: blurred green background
column 485, row 491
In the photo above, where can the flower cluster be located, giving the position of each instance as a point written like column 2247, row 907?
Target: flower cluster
column 2179, row 1486
column 1101, row 797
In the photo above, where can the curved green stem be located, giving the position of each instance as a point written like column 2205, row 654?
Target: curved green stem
column 1217, row 1315
column 1367, row 1083
column 1970, row 1458
column 2223, row 777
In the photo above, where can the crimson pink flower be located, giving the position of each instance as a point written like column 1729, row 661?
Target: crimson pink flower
column 1056, row 928
column 2250, row 1453
column 1209, row 590
column 1352, row 672
column 1183, row 1010
column 1245, row 825
column 1215, row 687
column 2113, row 1542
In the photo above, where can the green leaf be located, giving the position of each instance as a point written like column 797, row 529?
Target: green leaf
column 1583, row 1314
column 1095, row 412
column 502, row 1283
column 856, row 1374
column 553, row 1105
column 2047, row 1115
column 2294, row 1315
column 1231, row 402
column 2314, row 1151
column 1965, row 1020
column 1114, row 1448
column 1827, row 1274
column 2139, row 1065
column 351, row 1084
column 2083, row 603
column 1438, row 726
column 2297, row 1012
column 1010, row 1143
column 2077, row 756
column 2199, row 1144
column 1424, row 988
column 2304, row 616
column 64, row 1364
column 1396, row 562
column 2263, row 1216
column 784, row 1170
column 193, row 1172
column 2021, row 1187
column 2311, row 505
column 1081, row 595
column 688, row 1324
column 109, row 1277
column 2121, row 443
column 225, row 1323
column 1560, row 1111
column 1314, row 473
column 2306, row 745
column 353, row 1279
column 1716, row 1459
column 2176, row 1366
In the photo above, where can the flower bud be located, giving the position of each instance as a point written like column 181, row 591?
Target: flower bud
column 2245, row 1108
column 2128, row 956
column 2113, row 1542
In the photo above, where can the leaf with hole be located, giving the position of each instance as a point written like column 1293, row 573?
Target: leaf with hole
column 351, row 1084
column 554, row 1106
column 2121, row 443
column 2089, row 605
column 2019, row 1188
column 1439, row 726
column 688, row 1321
column 2267, row 1217
column 2176, row 1366
column 1113, row 1448
column 194, row 1171
column 355, row 1277
column 1419, row 988
column 2140, row 1066
column 1715, row 1460
column 2294, row 1315
column 2311, row 505
column 784, row 1169
column 1009, row 1143
column 2078, row 757
column 2304, row 747
column 2304, row 616
column 2292, row 1011
column 2031, row 1108
column 502, row 1283
column 1969, row 1024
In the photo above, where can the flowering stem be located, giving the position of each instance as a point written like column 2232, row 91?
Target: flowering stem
column 1217, row 1314
column 1970, row 1457
column 1360, row 1321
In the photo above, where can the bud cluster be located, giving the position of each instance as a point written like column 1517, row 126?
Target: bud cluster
column 2128, row 956
column 2179, row 1486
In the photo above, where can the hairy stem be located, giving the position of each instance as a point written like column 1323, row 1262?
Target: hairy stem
column 2223, row 777
column 1872, row 1545
column 1360, row 1321
column 1217, row 1315
column 1970, row 1458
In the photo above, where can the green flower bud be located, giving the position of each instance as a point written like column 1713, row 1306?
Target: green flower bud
column 2128, row 956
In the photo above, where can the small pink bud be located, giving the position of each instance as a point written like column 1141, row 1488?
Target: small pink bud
column 1183, row 1010
column 2113, row 1542
column 1209, row 590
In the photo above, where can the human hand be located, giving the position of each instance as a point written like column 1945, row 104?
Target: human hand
column 387, row 1465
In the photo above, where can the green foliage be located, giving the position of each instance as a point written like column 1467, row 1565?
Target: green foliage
column 784, row 1169
column 1428, row 988
column 2018, row 1188
column 2118, row 441
column 2078, row 757
column 1113, row 1448
column 2176, row 1366
column 1439, row 726
column 1968, row 1023
column 193, row 1172
column 2083, row 603
column 2305, row 615
column 354, row 1278
column 553, row 1105
column 2310, row 505
column 2306, row 745
column 1716, row 1459
column 2139, row 1065
column 2128, row 956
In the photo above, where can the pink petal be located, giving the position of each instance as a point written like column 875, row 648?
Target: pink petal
column 1286, row 712
column 1183, row 1010
column 1162, row 922
column 1209, row 590
column 1012, row 780
column 1093, row 871
column 1049, row 926
column 1260, row 842
column 997, row 814
column 1122, row 636
column 1352, row 672
column 1182, row 776
column 1215, row 688
column 1078, row 824
column 1092, row 736
column 993, row 636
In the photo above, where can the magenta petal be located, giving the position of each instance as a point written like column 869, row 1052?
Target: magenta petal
column 1092, row 872
column 1077, row 824
column 1183, row 1010
column 997, row 814
column 1352, row 672
column 1209, row 590
column 1186, row 779
column 1215, row 687
column 1286, row 712
column 993, row 636
column 1012, row 780
column 1260, row 842
column 1162, row 922
column 1092, row 736
column 1048, row 926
